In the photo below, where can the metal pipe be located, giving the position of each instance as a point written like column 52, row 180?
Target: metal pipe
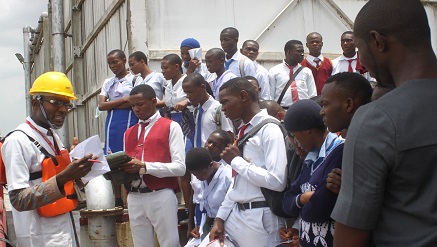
column 59, row 53
column 27, row 66
column 101, row 212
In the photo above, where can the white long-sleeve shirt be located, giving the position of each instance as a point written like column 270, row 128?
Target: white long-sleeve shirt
column 264, row 165
column 280, row 75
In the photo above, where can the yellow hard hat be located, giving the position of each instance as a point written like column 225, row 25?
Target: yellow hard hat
column 54, row 83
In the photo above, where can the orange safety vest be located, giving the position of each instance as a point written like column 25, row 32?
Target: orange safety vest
column 50, row 166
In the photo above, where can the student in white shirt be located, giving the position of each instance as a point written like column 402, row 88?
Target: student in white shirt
column 237, row 63
column 349, row 61
column 205, row 117
column 138, row 65
column 303, row 86
column 206, row 109
column 244, row 214
column 174, row 97
column 194, row 64
column 215, row 60
column 251, row 50
column 215, row 178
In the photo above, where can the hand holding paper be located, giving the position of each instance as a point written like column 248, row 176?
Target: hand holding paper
column 91, row 145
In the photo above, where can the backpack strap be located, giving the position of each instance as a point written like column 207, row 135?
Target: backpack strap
column 34, row 175
column 241, row 65
column 255, row 129
column 218, row 117
column 288, row 84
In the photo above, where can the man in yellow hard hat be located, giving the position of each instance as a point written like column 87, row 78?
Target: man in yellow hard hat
column 30, row 154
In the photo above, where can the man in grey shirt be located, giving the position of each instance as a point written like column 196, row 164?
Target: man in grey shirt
column 388, row 195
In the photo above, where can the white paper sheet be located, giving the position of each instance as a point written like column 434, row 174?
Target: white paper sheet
column 91, row 145
column 196, row 53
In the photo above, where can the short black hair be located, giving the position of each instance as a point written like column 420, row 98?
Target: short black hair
column 289, row 45
column 315, row 33
column 237, row 84
column 231, row 30
column 195, row 78
column 250, row 41
column 197, row 159
column 216, row 52
column 225, row 135
column 249, row 77
column 347, row 32
column 354, row 85
column 139, row 55
column 117, row 52
column 271, row 106
column 406, row 21
column 173, row 59
column 145, row 90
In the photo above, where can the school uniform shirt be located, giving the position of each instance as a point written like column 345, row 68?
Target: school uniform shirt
column 234, row 66
column 280, row 75
column 176, row 143
column 213, row 194
column 321, row 72
column 218, row 82
column 208, row 124
column 263, row 165
column 316, row 225
column 21, row 157
column 157, row 82
column 341, row 64
column 203, row 70
column 262, row 75
column 174, row 93
column 118, row 120
column 114, row 88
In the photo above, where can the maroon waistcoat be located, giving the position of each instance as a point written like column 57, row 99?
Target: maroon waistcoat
column 156, row 148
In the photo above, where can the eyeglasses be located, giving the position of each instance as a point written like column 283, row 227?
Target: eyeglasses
column 59, row 103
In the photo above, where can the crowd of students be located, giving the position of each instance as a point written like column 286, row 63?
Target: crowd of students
column 201, row 98
column 345, row 169
column 221, row 99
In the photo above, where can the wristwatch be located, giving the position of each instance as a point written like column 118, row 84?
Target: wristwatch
column 143, row 169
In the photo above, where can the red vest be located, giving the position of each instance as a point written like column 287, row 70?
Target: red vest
column 156, row 149
column 321, row 73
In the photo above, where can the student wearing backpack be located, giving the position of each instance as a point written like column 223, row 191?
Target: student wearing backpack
column 245, row 214
column 26, row 163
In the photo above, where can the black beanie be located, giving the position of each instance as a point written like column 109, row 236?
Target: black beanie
column 303, row 115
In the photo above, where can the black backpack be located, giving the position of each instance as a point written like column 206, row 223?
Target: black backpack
column 273, row 198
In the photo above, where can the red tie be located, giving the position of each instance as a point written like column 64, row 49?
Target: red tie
column 317, row 61
column 143, row 126
column 349, row 68
column 240, row 135
column 291, row 70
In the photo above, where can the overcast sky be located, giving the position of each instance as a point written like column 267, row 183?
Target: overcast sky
column 16, row 14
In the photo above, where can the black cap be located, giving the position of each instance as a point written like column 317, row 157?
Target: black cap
column 303, row 115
